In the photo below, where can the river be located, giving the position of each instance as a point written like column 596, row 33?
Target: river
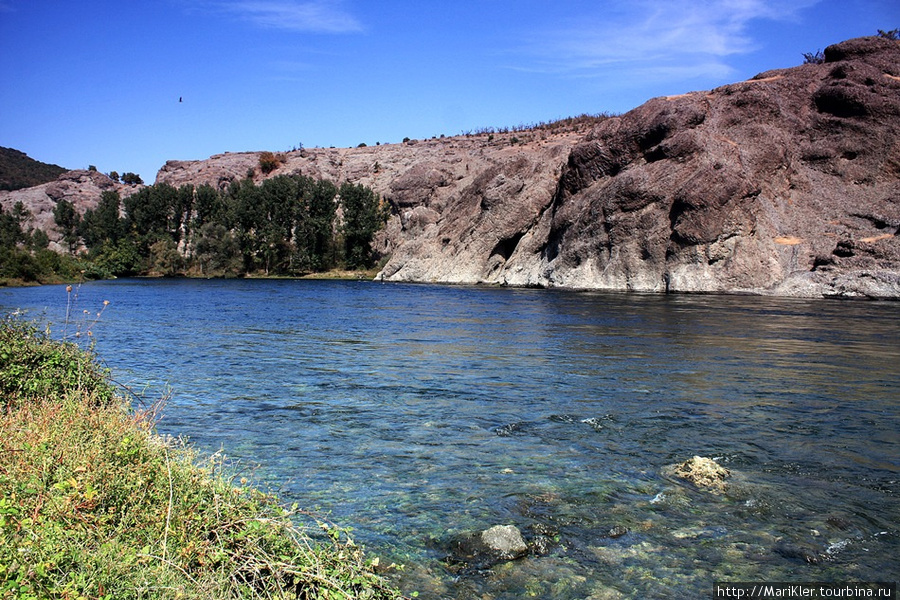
column 416, row 413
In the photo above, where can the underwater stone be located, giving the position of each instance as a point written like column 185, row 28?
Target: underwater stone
column 704, row 473
column 482, row 550
column 505, row 541
column 617, row 531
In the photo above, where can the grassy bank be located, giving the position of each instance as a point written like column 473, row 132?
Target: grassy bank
column 95, row 504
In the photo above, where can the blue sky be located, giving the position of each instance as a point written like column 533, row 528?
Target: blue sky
column 98, row 82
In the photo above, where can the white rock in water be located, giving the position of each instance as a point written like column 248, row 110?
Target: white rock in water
column 505, row 540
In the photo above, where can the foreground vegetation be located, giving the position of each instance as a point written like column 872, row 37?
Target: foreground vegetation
column 95, row 504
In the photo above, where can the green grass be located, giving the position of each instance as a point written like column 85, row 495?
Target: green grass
column 95, row 504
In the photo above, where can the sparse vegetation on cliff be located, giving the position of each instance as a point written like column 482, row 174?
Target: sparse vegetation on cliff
column 269, row 161
column 577, row 124
column 95, row 504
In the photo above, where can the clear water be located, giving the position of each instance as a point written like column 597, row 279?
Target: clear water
column 415, row 412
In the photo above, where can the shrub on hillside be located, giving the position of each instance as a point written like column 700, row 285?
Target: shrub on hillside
column 269, row 161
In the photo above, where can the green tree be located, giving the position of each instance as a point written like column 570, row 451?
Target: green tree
column 314, row 225
column 244, row 207
column 67, row 220
column 216, row 250
column 275, row 222
column 103, row 223
column 364, row 215
column 10, row 230
column 121, row 258
column 132, row 179
column 152, row 213
column 208, row 206
column 165, row 258
column 39, row 240
column 17, row 264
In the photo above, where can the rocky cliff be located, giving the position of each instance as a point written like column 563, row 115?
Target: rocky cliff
column 784, row 184
column 81, row 187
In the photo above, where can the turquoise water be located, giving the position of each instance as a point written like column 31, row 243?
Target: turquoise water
column 414, row 413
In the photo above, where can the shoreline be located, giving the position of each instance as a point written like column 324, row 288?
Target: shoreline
column 94, row 502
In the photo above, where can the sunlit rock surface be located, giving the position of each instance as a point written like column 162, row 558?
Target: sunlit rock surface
column 784, row 184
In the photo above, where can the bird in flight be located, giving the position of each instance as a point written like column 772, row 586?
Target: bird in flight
column 179, row 98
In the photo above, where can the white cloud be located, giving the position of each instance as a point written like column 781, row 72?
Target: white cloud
column 669, row 39
column 321, row 16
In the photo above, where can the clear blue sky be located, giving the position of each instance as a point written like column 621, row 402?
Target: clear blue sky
column 98, row 82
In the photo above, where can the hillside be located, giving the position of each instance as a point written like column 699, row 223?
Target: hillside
column 80, row 187
column 784, row 184
column 18, row 170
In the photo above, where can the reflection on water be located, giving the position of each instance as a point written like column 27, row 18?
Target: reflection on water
column 416, row 412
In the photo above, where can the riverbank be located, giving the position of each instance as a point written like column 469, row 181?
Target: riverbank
column 333, row 274
column 94, row 503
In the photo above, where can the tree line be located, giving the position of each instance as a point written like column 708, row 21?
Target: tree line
column 287, row 225
column 24, row 255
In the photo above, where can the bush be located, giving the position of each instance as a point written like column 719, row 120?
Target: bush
column 268, row 162
column 34, row 367
column 94, row 504
column 132, row 179
column 810, row 58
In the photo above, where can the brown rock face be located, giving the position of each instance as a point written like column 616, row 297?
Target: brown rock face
column 784, row 184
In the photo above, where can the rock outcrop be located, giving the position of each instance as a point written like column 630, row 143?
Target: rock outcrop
column 785, row 184
column 705, row 473
column 80, row 187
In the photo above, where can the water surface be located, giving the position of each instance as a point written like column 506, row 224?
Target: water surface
column 413, row 413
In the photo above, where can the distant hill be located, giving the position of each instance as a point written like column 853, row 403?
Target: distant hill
column 18, row 171
column 784, row 184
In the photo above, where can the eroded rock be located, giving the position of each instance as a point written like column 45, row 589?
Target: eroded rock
column 705, row 473
column 784, row 184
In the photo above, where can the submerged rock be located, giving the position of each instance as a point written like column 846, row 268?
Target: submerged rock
column 483, row 549
column 705, row 473
column 505, row 541
column 617, row 531
column 800, row 552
